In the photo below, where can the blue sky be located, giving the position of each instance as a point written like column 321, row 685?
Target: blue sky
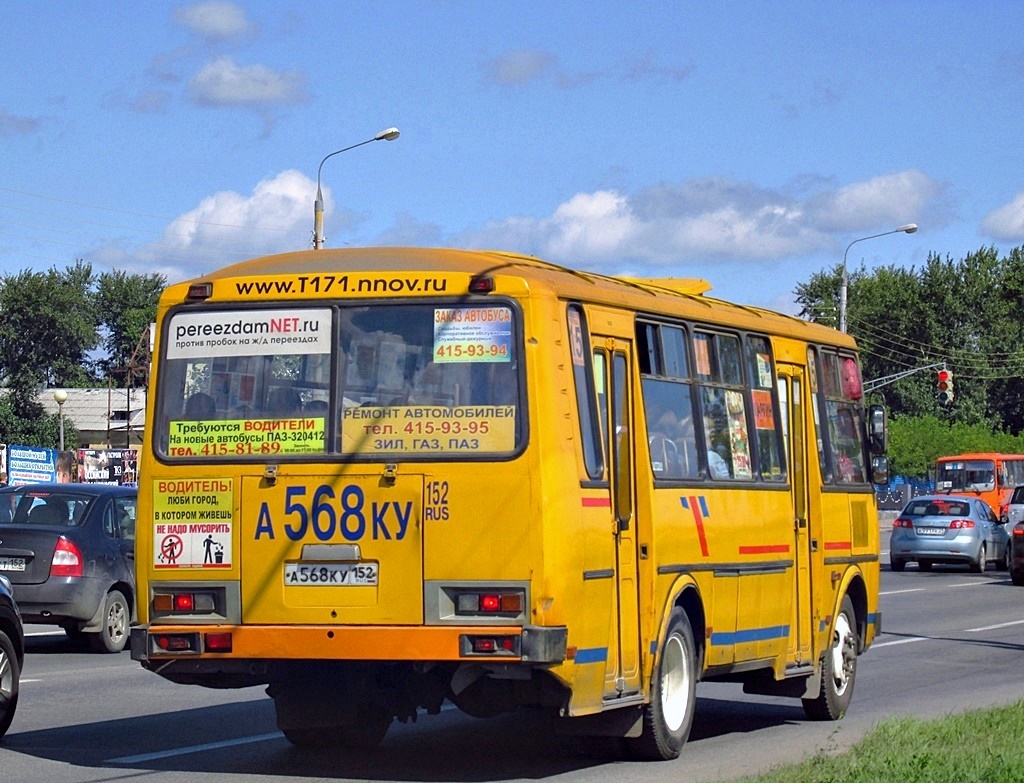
column 745, row 143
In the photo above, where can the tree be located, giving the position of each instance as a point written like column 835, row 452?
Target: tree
column 47, row 328
column 127, row 306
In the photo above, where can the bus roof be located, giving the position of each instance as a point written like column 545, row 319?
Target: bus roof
column 681, row 297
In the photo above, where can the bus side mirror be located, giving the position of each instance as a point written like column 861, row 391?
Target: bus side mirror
column 880, row 471
column 878, row 430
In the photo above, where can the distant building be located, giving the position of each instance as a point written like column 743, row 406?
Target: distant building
column 104, row 418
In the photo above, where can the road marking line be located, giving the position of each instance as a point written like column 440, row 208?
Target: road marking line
column 909, row 590
column 900, row 641
column 45, row 633
column 163, row 754
column 992, row 627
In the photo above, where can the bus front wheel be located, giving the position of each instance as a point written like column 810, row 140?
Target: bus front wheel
column 838, row 669
column 669, row 715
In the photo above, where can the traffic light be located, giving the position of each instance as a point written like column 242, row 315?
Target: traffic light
column 944, row 383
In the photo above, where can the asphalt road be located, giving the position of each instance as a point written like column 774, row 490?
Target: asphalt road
column 951, row 640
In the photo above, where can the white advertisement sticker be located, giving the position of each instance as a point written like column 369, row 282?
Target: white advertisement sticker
column 249, row 333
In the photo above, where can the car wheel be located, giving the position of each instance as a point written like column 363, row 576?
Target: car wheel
column 669, row 715
column 979, row 563
column 838, row 669
column 10, row 674
column 116, row 617
column 924, row 565
column 896, row 564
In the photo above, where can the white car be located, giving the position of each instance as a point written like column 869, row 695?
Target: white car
column 1015, row 509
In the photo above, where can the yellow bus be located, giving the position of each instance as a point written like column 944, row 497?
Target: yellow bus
column 378, row 479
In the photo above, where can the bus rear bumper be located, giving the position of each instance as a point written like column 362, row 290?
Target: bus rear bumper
column 503, row 644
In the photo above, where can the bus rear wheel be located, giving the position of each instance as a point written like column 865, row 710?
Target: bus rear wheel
column 838, row 669
column 669, row 715
column 365, row 734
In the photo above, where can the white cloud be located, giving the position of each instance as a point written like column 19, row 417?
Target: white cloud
column 223, row 83
column 215, row 20
column 1007, row 222
column 886, row 200
column 709, row 220
column 520, row 66
column 271, row 220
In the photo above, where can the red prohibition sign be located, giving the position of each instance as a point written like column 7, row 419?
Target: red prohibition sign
column 171, row 548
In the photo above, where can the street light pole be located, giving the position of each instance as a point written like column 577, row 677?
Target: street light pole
column 909, row 228
column 390, row 134
column 60, row 397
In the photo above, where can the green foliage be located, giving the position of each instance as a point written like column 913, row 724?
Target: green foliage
column 965, row 314
column 982, row 746
column 126, row 305
column 41, row 430
column 915, row 442
column 50, row 323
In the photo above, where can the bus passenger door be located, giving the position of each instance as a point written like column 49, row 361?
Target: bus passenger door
column 612, row 374
column 791, row 399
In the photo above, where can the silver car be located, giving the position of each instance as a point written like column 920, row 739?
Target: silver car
column 948, row 529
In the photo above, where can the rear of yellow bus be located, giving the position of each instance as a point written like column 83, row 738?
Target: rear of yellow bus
column 334, row 498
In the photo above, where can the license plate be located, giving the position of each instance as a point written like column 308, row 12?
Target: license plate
column 12, row 564
column 931, row 531
column 330, row 574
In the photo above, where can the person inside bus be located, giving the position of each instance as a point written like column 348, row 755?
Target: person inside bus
column 718, row 466
column 284, row 402
column 672, row 443
column 200, row 407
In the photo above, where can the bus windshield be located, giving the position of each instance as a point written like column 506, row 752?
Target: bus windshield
column 966, row 475
column 408, row 379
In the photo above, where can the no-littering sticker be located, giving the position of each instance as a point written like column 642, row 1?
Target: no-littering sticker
column 193, row 521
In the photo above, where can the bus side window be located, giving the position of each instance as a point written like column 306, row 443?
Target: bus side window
column 586, row 401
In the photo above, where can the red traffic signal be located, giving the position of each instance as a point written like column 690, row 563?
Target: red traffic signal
column 944, row 383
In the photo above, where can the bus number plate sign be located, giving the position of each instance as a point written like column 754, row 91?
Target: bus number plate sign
column 330, row 574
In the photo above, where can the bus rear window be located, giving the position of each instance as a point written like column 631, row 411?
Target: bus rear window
column 382, row 381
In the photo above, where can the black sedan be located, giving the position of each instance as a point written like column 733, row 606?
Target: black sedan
column 69, row 550
column 12, row 654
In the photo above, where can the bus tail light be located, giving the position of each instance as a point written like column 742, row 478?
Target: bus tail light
column 199, row 291
column 183, row 602
column 218, row 642
column 489, row 645
column 175, row 642
column 489, row 602
column 481, row 285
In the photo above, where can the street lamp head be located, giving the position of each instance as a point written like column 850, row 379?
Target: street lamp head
column 909, row 228
column 388, row 134
column 60, row 396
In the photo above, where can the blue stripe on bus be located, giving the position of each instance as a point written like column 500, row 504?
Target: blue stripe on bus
column 750, row 635
column 593, row 655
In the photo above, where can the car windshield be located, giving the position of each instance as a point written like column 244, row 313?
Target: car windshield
column 34, row 507
column 937, row 508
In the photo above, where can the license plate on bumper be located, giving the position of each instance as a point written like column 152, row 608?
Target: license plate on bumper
column 330, row 574
column 12, row 564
